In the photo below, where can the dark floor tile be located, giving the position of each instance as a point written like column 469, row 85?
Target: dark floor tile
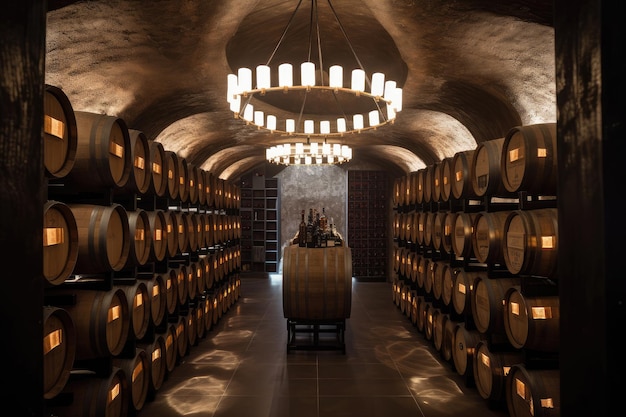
column 380, row 406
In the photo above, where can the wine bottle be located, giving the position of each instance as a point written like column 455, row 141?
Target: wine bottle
column 302, row 231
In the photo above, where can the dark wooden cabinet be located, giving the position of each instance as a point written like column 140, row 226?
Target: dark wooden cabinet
column 367, row 223
column 260, row 222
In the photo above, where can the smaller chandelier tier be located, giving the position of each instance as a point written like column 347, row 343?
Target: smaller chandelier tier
column 384, row 95
column 311, row 153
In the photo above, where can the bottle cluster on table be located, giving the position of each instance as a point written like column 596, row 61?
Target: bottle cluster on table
column 316, row 231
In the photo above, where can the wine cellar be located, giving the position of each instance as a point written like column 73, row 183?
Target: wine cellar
column 157, row 158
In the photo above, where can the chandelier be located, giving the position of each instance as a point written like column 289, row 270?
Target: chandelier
column 379, row 99
column 310, row 153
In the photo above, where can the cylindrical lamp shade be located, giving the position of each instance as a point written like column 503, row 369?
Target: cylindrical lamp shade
column 341, row 125
column 335, row 74
column 378, row 84
column 358, row 80
column 357, row 121
column 233, row 88
column 290, row 126
column 390, row 90
column 248, row 113
column 285, row 75
column 309, row 127
column 271, row 122
column 307, row 74
column 259, row 118
column 262, row 76
column 324, row 127
column 244, row 79
column 374, row 119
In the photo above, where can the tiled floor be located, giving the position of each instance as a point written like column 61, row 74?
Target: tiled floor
column 242, row 367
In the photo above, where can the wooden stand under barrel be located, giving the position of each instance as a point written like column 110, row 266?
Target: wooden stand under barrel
column 317, row 296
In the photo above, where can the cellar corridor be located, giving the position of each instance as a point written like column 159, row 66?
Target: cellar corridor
column 242, row 366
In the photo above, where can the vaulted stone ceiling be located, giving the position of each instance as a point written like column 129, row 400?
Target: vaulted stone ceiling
column 470, row 70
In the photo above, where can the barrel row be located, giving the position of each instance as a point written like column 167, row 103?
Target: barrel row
column 84, row 238
column 525, row 160
column 523, row 241
column 102, row 325
column 98, row 151
column 485, row 333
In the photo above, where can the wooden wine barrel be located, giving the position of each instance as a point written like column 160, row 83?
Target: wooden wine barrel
column 157, row 369
column 103, row 156
column 60, row 242
column 488, row 236
column 464, row 349
column 486, row 176
column 439, row 323
column 209, row 183
column 138, row 300
column 191, row 324
column 488, row 303
column 208, row 312
column 438, row 230
column 94, row 395
column 192, row 280
column 422, row 307
column 158, row 231
column 447, row 284
column 199, row 312
column 403, row 192
column 412, row 184
column 397, row 186
column 191, row 222
column 171, row 289
column 424, row 229
column 429, row 181
column 59, row 349
column 208, row 230
column 429, row 323
column 413, row 235
column 60, row 133
column 530, row 242
column 183, row 179
column 437, row 182
column 202, row 269
column 158, row 298
column 397, row 220
column 171, row 224
column 171, row 347
column 532, row 322
column 182, row 283
column 103, row 237
column 462, row 234
column 529, row 159
column 422, row 271
column 447, row 344
column 463, row 289
column 172, row 175
column 192, row 183
column 491, row 368
column 533, row 392
column 141, row 237
column 317, row 283
column 140, row 176
column 462, row 166
column 421, row 178
column 183, row 226
column 137, row 370
column 431, row 271
column 440, row 272
column 447, row 232
column 101, row 319
column 158, row 169
column 447, row 174
column 201, row 187
column 182, row 338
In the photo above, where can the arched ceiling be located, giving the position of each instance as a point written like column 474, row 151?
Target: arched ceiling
column 470, row 70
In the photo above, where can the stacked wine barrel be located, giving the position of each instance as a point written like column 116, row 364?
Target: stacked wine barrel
column 475, row 256
column 141, row 259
